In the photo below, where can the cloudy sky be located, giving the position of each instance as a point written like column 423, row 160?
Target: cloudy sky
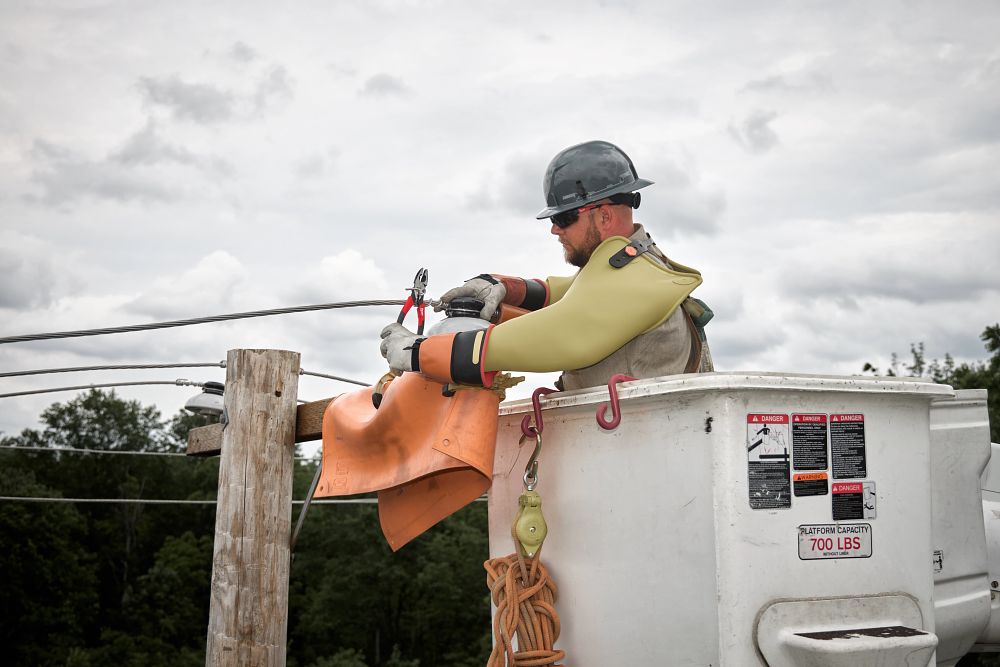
column 830, row 167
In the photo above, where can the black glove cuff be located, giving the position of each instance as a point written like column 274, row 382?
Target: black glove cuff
column 415, row 354
column 488, row 278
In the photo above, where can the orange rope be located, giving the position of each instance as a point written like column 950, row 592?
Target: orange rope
column 524, row 596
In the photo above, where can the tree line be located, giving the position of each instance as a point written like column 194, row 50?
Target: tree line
column 123, row 585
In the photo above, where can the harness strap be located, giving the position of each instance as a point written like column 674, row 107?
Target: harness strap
column 694, row 358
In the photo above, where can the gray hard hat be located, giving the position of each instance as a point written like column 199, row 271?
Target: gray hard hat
column 586, row 173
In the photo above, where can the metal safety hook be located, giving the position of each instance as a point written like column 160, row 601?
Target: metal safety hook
column 527, row 428
column 616, row 410
column 531, row 469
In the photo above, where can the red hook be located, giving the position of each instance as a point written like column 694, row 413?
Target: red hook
column 616, row 411
column 529, row 430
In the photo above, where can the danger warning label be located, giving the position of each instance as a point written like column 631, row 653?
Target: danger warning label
column 809, row 442
column 847, row 446
column 853, row 500
column 810, row 483
column 768, row 461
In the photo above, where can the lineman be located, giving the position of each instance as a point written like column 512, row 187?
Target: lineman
column 627, row 310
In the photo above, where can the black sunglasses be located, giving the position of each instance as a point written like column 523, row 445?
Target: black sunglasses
column 567, row 218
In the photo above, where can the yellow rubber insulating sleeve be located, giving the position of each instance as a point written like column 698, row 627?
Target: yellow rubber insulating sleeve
column 603, row 309
column 558, row 286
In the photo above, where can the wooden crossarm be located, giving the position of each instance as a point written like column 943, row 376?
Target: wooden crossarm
column 207, row 440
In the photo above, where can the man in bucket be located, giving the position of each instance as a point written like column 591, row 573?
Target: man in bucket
column 627, row 310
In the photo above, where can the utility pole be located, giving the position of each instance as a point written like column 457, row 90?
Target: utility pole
column 248, row 617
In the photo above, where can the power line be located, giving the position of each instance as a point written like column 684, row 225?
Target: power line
column 178, row 383
column 198, row 320
column 116, row 367
column 164, row 501
column 120, row 452
column 335, row 377
column 77, row 450
column 119, row 367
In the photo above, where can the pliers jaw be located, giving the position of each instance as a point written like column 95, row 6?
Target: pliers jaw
column 416, row 298
column 419, row 289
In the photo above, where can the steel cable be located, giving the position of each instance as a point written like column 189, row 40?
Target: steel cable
column 120, row 367
column 114, row 367
column 165, row 501
column 176, row 383
column 198, row 320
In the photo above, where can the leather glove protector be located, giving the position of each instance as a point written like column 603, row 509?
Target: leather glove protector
column 484, row 287
column 400, row 347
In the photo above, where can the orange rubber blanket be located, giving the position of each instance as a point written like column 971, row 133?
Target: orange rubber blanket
column 426, row 454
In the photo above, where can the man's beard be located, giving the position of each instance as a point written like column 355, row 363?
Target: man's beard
column 579, row 257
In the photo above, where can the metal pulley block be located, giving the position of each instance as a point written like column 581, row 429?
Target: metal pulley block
column 529, row 524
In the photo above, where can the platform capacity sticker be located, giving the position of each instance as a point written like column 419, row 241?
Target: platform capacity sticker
column 853, row 500
column 809, row 442
column 768, row 461
column 847, row 446
column 810, row 483
column 833, row 540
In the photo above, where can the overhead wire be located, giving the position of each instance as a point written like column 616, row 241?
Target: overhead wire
column 178, row 383
column 114, row 367
column 335, row 377
column 118, row 367
column 120, row 452
column 78, row 450
column 167, row 501
column 198, row 320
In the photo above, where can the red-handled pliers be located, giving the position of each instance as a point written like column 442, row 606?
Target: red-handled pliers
column 416, row 298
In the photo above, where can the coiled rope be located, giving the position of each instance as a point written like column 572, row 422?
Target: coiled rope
column 524, row 596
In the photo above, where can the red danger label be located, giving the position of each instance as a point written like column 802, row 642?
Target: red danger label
column 767, row 419
column 847, row 418
column 809, row 419
column 849, row 487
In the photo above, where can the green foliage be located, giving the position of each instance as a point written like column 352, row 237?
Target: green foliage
column 49, row 577
column 116, row 585
column 428, row 600
column 980, row 660
column 347, row 657
column 977, row 375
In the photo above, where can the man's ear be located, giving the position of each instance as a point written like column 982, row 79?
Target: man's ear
column 607, row 217
column 611, row 223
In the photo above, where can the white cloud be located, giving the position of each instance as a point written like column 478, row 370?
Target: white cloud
column 384, row 85
column 148, row 147
column 755, row 134
column 242, row 52
column 681, row 201
column 209, row 286
column 274, row 89
column 65, row 176
column 29, row 272
column 340, row 277
column 198, row 102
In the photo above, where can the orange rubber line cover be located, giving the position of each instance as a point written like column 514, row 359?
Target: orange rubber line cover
column 426, row 454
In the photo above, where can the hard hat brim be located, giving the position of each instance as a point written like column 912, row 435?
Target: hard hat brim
column 550, row 211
